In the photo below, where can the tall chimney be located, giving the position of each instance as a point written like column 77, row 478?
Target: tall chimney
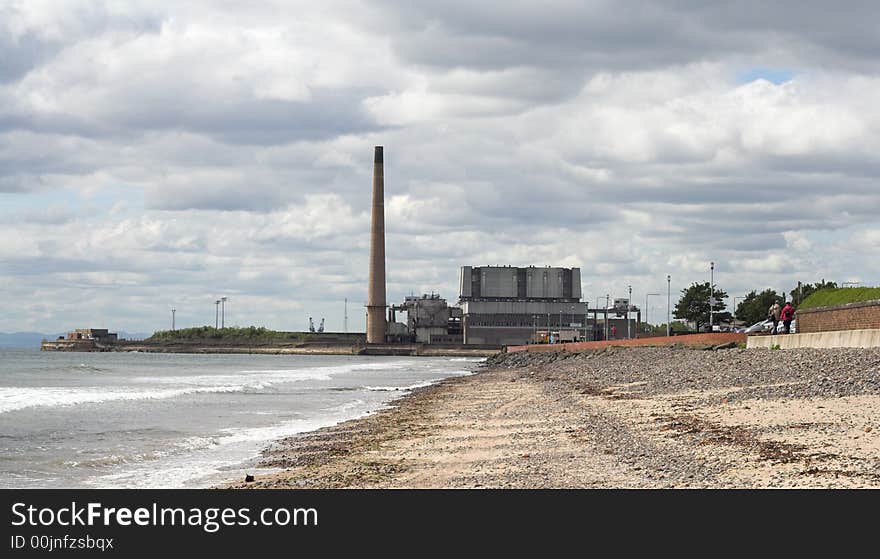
column 376, row 288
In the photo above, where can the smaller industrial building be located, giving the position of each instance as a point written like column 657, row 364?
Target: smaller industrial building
column 83, row 339
column 99, row 335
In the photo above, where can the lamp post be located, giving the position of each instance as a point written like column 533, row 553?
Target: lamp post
column 548, row 328
column 222, row 312
column 711, row 291
column 647, row 324
column 173, row 310
column 559, row 337
column 668, row 308
column 216, row 314
column 734, row 304
column 586, row 320
column 607, row 302
column 628, row 306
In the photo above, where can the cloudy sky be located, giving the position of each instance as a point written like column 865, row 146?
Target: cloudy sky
column 157, row 154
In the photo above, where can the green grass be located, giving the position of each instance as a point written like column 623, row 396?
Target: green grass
column 249, row 334
column 840, row 296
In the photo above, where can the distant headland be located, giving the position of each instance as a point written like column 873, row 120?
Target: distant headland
column 251, row 339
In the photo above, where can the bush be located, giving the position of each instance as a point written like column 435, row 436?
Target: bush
column 247, row 334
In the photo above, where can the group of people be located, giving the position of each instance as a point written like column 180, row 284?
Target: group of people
column 784, row 314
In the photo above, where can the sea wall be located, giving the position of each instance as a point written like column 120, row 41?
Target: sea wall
column 835, row 338
column 863, row 315
column 709, row 339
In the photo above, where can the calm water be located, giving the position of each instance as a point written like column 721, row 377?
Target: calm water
column 175, row 420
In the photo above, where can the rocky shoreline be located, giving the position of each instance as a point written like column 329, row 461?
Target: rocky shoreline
column 618, row 417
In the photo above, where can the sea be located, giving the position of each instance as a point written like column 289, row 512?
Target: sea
column 148, row 420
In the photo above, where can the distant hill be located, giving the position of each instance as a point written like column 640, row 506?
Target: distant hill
column 24, row 339
column 33, row 339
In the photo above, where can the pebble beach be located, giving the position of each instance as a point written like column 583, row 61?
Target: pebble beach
column 642, row 417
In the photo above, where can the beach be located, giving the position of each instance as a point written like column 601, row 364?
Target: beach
column 614, row 418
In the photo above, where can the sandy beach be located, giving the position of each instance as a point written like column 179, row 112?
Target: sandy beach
column 615, row 418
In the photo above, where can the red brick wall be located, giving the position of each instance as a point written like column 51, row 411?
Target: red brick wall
column 691, row 339
column 854, row 316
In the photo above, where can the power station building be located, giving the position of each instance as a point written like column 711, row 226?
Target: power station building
column 504, row 305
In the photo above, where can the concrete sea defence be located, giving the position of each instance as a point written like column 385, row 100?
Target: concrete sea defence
column 693, row 340
column 835, row 338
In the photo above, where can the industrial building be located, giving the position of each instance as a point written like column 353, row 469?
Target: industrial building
column 429, row 320
column 505, row 305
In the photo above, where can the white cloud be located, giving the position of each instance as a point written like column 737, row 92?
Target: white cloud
column 166, row 152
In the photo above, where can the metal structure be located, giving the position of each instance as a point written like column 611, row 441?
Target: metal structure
column 173, row 310
column 668, row 308
column 223, row 311
column 376, row 287
column 429, row 319
column 217, row 314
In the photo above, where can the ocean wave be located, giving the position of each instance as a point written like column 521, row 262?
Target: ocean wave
column 400, row 388
column 17, row 398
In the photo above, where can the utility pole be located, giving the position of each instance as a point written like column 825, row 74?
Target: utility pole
column 647, row 325
column 173, row 310
column 734, row 307
column 607, row 302
column 711, row 291
column 668, row 308
column 549, row 337
column 628, row 307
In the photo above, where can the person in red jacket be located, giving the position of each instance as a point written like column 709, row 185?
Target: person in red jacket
column 786, row 316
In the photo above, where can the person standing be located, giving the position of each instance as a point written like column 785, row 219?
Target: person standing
column 773, row 314
column 787, row 315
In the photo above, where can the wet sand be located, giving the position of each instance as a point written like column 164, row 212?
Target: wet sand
column 604, row 420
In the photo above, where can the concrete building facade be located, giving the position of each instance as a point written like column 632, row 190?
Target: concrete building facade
column 505, row 305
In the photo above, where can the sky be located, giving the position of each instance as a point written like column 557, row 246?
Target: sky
column 158, row 154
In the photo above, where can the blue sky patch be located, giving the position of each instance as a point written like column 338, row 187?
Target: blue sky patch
column 773, row 75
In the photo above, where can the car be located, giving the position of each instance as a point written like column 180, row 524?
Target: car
column 780, row 328
column 763, row 326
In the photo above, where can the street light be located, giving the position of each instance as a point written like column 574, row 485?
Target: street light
column 734, row 304
column 711, row 291
column 668, row 308
column 223, row 312
column 173, row 310
column 628, row 307
column 607, row 302
column 647, row 324
column 216, row 314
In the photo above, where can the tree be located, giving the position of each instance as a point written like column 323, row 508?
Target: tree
column 754, row 308
column 798, row 294
column 694, row 305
